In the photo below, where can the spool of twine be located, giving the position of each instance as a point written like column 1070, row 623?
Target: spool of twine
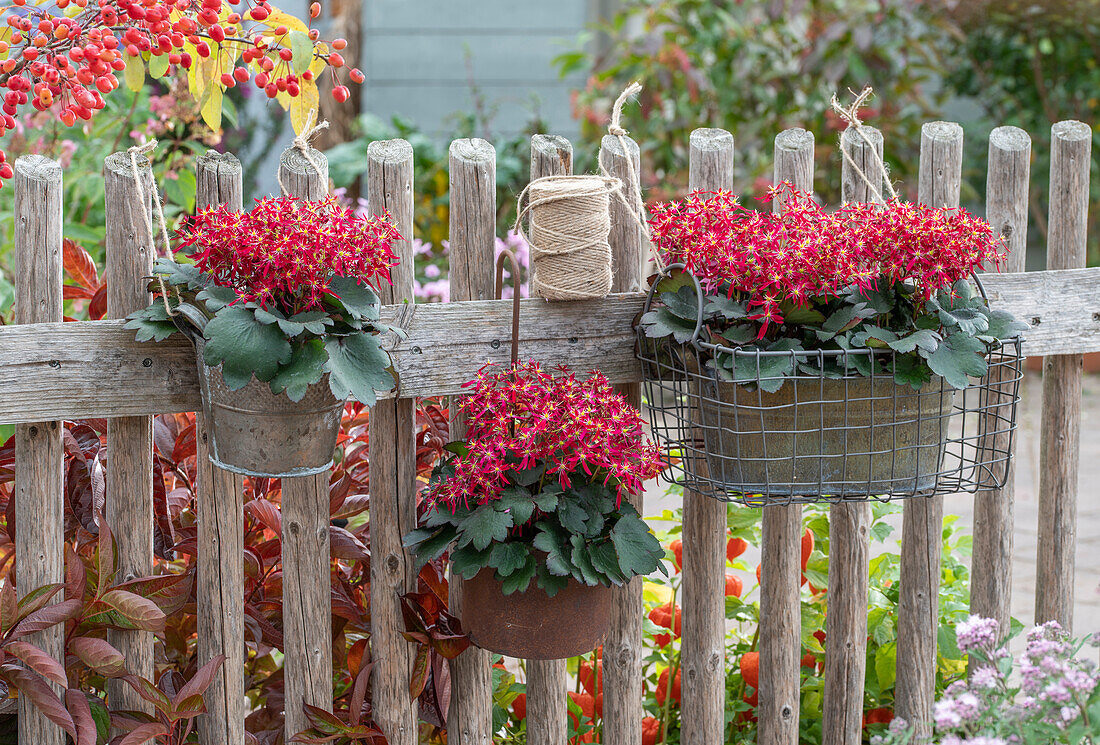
column 569, row 221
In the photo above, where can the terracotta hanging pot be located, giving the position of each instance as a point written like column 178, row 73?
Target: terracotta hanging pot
column 531, row 624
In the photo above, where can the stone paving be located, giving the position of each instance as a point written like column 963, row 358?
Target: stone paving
column 1087, row 585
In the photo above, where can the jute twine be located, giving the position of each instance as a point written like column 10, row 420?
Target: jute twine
column 301, row 144
column 850, row 114
column 569, row 221
column 633, row 201
column 147, row 150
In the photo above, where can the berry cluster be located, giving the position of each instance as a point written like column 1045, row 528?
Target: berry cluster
column 523, row 418
column 804, row 253
column 66, row 56
column 286, row 251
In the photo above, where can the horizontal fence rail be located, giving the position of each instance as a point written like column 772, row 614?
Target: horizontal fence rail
column 86, row 369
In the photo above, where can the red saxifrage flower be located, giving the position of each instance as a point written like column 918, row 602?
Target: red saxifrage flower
column 286, row 251
column 521, row 417
column 804, row 253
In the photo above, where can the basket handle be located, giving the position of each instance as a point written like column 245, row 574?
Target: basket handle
column 698, row 297
column 516, row 283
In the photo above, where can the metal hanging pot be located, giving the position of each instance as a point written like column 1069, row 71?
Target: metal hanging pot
column 255, row 432
column 531, row 624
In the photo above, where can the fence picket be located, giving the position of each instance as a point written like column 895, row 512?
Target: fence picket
column 39, row 453
column 622, row 649
column 781, row 554
column 922, row 522
column 850, row 522
column 547, row 683
column 219, row 587
column 130, row 439
column 307, row 604
column 703, row 647
column 1060, row 440
column 392, row 468
column 1006, row 210
column 472, row 231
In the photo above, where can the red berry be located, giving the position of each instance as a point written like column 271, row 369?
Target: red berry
column 314, row 10
column 241, row 74
column 339, row 44
column 357, row 76
column 340, row 93
column 335, row 60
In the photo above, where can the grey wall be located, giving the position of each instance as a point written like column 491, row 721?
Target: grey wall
column 421, row 56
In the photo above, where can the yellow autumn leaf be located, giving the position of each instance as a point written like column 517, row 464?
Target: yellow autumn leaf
column 212, row 108
column 134, row 73
column 278, row 18
column 196, row 83
column 304, row 105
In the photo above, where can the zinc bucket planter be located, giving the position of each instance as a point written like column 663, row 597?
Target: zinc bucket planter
column 858, row 436
column 255, row 432
column 531, row 624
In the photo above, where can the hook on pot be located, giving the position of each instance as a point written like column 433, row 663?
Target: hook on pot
column 667, row 272
column 189, row 320
column 516, row 283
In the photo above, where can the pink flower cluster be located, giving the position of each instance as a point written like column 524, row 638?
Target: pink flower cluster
column 524, row 417
column 804, row 252
column 285, row 251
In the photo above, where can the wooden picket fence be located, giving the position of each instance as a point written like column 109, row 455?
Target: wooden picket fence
column 52, row 371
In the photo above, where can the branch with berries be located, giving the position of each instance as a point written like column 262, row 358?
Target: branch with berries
column 66, row 55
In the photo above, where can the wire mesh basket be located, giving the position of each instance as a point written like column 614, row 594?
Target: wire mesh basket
column 822, row 438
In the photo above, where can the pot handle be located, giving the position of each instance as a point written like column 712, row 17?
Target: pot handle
column 698, row 298
column 189, row 320
column 516, row 283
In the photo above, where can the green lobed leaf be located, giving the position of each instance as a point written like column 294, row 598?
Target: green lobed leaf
column 305, row 367
column 244, row 347
column 924, row 339
column 520, row 579
column 549, row 582
column 572, row 515
column 639, row 550
column 177, row 274
column 508, row 557
column 468, row 561
column 725, row 307
column 357, row 367
column 584, row 570
column 605, row 560
column 483, row 526
column 1003, row 325
column 517, row 502
column 552, row 542
column 662, row 322
column 428, row 544
column 217, row 297
column 359, row 300
column 957, row 359
column 152, row 323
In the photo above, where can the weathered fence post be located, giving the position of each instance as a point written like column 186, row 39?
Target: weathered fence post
column 780, row 561
column 850, row 523
column 1060, row 439
column 922, row 523
column 130, row 252
column 472, row 233
column 1006, row 203
column 622, row 649
column 547, row 684
column 219, row 589
column 703, row 647
column 307, row 603
column 39, row 452
column 392, row 467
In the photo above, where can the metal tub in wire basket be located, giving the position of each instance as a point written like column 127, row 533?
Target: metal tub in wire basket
column 822, row 439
